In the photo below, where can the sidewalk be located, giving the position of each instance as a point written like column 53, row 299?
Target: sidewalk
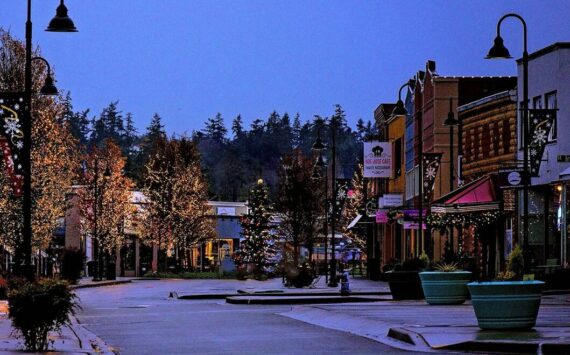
column 417, row 326
column 274, row 292
column 72, row 340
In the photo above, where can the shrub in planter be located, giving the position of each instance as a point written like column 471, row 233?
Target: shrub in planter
column 301, row 276
column 445, row 285
column 404, row 280
column 36, row 308
column 508, row 303
column 72, row 264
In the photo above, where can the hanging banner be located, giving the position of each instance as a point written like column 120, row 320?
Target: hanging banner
column 431, row 162
column 342, row 186
column 12, row 137
column 540, row 123
column 377, row 160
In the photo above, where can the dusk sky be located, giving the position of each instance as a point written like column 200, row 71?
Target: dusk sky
column 188, row 60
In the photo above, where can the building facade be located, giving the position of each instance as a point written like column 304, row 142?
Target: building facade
column 549, row 196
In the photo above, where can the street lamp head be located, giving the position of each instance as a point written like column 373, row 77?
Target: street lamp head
column 107, row 173
column 399, row 110
column 450, row 120
column 61, row 22
column 316, row 174
column 318, row 145
column 498, row 51
column 320, row 161
column 48, row 88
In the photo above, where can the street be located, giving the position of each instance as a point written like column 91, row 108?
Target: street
column 139, row 318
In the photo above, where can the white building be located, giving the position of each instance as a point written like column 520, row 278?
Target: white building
column 549, row 196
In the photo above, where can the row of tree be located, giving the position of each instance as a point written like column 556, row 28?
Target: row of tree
column 102, row 161
column 109, row 159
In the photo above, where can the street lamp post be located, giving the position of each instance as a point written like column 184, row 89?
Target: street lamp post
column 400, row 110
column 500, row 51
column 319, row 146
column 321, row 165
column 60, row 23
column 451, row 122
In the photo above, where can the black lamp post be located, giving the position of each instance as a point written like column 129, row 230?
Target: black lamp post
column 400, row 110
column 60, row 23
column 451, row 122
column 499, row 51
column 319, row 166
column 319, row 147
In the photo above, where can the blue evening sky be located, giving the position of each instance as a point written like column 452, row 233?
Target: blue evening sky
column 188, row 60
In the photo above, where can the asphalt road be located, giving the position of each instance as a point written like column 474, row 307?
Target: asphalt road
column 139, row 318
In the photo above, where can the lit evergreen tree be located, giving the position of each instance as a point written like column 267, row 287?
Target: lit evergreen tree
column 258, row 246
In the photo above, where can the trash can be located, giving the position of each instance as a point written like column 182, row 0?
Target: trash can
column 92, row 268
column 111, row 272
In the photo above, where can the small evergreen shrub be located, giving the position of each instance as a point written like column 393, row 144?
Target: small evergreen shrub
column 37, row 308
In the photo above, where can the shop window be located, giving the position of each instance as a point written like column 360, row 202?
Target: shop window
column 537, row 102
column 398, row 157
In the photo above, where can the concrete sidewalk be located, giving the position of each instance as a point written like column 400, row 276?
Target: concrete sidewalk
column 417, row 326
column 74, row 339
column 208, row 289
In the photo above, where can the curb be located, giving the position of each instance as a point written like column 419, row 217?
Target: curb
column 484, row 346
column 300, row 300
column 101, row 284
column 88, row 341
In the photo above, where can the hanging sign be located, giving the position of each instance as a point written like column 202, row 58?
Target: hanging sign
column 382, row 216
column 377, row 160
column 541, row 121
column 430, row 165
column 391, row 200
column 12, row 137
column 413, row 225
column 511, row 178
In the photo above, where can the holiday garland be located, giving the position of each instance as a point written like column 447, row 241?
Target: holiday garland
column 478, row 220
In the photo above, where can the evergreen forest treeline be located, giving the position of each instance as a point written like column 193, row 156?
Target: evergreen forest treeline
column 233, row 156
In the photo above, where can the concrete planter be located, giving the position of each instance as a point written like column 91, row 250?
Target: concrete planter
column 405, row 285
column 445, row 287
column 506, row 304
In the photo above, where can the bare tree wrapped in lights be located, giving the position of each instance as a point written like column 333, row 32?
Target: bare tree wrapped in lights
column 191, row 214
column 54, row 157
column 105, row 199
column 258, row 247
column 354, row 206
column 176, row 217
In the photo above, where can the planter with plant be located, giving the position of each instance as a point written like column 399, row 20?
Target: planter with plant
column 404, row 280
column 445, row 285
column 508, row 303
column 40, row 307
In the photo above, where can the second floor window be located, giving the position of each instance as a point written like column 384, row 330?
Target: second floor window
column 550, row 101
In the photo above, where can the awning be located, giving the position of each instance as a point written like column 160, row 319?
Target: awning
column 354, row 221
column 477, row 196
column 565, row 174
column 360, row 221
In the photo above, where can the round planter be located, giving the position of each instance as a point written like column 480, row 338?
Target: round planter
column 445, row 287
column 506, row 304
column 405, row 285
